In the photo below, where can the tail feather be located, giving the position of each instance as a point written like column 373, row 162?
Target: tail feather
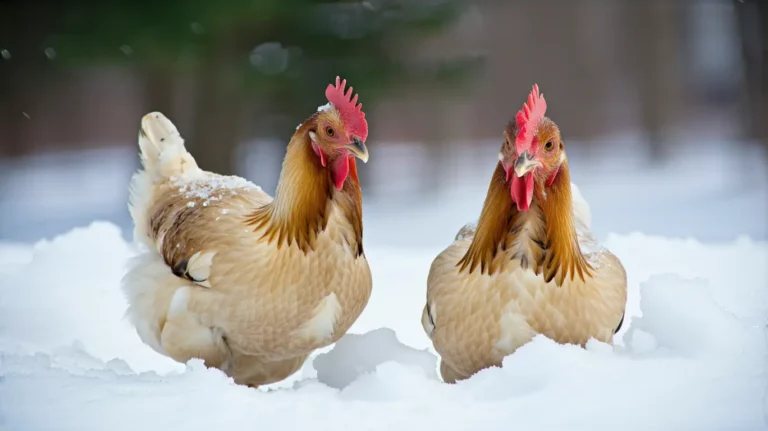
column 163, row 156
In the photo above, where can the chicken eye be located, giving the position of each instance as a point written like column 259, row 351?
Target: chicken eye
column 329, row 131
column 549, row 146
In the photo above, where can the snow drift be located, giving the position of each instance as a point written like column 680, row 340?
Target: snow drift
column 691, row 355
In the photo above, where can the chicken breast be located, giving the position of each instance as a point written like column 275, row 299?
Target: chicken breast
column 475, row 319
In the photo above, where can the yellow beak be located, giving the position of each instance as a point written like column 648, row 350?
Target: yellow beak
column 525, row 164
column 357, row 147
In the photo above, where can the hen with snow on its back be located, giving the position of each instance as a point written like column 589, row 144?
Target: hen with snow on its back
column 530, row 265
column 249, row 283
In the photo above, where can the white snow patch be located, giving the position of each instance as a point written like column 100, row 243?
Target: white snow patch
column 211, row 187
column 356, row 355
column 691, row 354
column 67, row 293
column 466, row 231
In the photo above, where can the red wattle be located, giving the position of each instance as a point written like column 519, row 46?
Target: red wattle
column 552, row 176
column 522, row 191
column 340, row 170
column 319, row 152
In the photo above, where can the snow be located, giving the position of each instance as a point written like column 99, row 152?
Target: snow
column 691, row 354
column 466, row 231
column 205, row 187
column 356, row 355
column 210, row 188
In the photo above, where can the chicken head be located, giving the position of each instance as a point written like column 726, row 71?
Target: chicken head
column 532, row 152
column 339, row 131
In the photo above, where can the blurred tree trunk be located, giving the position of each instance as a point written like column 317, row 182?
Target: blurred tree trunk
column 159, row 85
column 753, row 29
column 651, row 55
column 22, row 30
column 218, row 111
column 14, row 103
column 438, row 143
column 596, row 56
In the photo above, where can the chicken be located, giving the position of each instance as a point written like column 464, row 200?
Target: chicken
column 247, row 283
column 529, row 266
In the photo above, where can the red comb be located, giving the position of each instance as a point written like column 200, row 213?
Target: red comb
column 528, row 119
column 351, row 112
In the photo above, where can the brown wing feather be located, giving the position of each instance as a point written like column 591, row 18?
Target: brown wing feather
column 183, row 223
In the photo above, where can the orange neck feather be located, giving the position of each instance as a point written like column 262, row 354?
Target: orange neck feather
column 561, row 256
column 304, row 197
column 492, row 227
column 551, row 243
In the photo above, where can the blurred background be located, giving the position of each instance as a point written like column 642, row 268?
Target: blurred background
column 663, row 103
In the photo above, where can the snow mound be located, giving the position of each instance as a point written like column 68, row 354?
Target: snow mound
column 355, row 355
column 65, row 296
column 691, row 355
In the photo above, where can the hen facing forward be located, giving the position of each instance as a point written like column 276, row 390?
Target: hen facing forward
column 530, row 266
column 250, row 284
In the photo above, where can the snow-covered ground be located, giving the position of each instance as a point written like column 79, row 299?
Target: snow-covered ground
column 692, row 354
